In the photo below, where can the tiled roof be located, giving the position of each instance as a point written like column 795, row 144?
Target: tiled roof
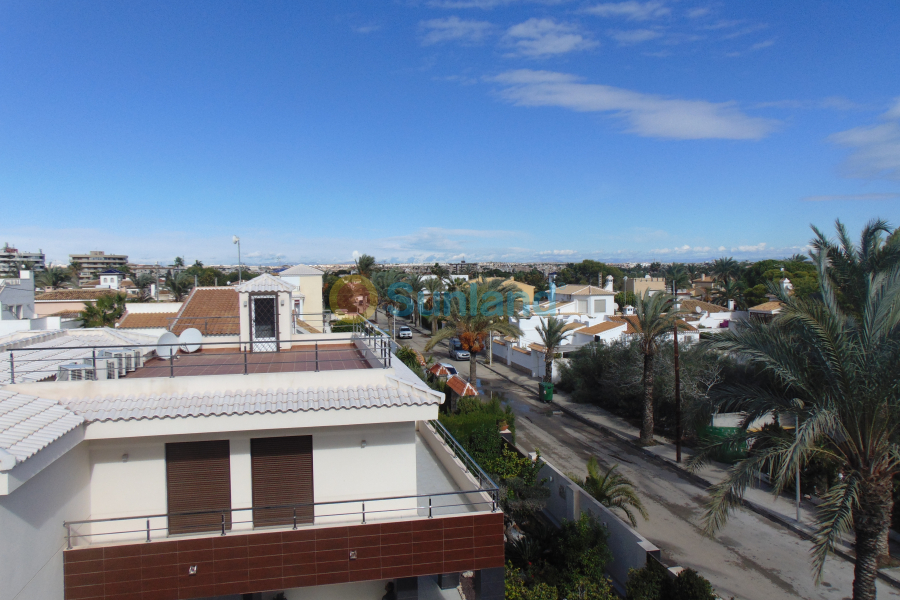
column 770, row 307
column 461, row 386
column 538, row 347
column 574, row 289
column 266, row 283
column 600, row 327
column 439, row 370
column 248, row 402
column 59, row 295
column 146, row 320
column 419, row 358
column 692, row 305
column 301, row 270
column 28, row 423
column 66, row 314
column 203, row 305
column 633, row 324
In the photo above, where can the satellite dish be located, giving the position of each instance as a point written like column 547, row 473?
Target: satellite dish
column 165, row 345
column 190, row 340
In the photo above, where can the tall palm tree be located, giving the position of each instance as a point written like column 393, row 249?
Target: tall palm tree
column 729, row 289
column 364, row 265
column 178, row 262
column 678, row 276
column 179, row 285
column 475, row 321
column 104, row 312
column 75, row 273
column 838, row 373
column 553, row 333
column 416, row 286
column 143, row 283
column 724, row 269
column 611, row 489
column 653, row 323
column 435, row 287
column 384, row 281
column 197, row 264
column 851, row 265
column 53, row 277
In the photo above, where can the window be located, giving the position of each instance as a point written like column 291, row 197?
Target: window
column 599, row 305
column 198, row 478
column 581, row 306
column 282, row 476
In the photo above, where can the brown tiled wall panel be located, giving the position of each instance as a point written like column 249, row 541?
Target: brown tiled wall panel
column 257, row 562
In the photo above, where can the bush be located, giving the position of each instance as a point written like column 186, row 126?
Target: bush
column 654, row 582
column 689, row 585
column 345, row 325
column 646, row 583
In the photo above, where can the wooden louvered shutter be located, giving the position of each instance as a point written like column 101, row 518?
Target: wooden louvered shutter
column 282, row 475
column 198, row 475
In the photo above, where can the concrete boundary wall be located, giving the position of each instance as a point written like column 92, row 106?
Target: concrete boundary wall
column 454, row 466
column 568, row 501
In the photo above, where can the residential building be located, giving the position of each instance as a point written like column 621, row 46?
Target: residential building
column 95, row 261
column 66, row 301
column 12, row 259
column 17, row 297
column 111, row 279
column 705, row 315
column 306, row 298
column 260, row 460
column 767, row 310
column 639, row 285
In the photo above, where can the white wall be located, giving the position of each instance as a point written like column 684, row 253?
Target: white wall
column 32, row 537
column 154, row 307
column 342, row 470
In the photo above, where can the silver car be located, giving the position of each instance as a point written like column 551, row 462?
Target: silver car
column 404, row 333
column 456, row 350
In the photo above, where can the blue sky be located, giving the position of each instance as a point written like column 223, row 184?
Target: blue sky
column 445, row 129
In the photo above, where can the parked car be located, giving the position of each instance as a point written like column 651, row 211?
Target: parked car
column 405, row 333
column 456, row 350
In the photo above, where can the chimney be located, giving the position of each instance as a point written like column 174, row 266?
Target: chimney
column 786, row 285
column 609, row 283
column 730, row 304
column 629, row 310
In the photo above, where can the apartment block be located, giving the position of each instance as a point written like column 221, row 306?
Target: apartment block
column 96, row 261
column 13, row 259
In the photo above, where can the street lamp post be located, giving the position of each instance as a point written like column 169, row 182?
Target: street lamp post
column 236, row 240
column 677, row 398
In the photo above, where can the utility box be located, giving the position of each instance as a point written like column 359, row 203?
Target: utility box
column 545, row 391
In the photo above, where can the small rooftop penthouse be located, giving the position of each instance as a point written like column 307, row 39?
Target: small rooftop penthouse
column 213, row 466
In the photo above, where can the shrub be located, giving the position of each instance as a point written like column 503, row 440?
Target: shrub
column 345, row 325
column 654, row 582
column 646, row 583
column 689, row 585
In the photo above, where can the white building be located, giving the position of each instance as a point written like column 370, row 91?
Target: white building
column 13, row 259
column 309, row 465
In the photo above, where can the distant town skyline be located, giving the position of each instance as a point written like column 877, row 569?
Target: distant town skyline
column 445, row 129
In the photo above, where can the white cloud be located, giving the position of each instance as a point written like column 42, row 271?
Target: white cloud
column 557, row 253
column 634, row 36
column 366, row 28
column 760, row 247
column 686, row 249
column 875, row 149
column 538, row 38
column 721, row 248
column 483, row 4
column 454, row 29
column 852, row 197
column 696, row 13
column 647, row 115
column 632, row 10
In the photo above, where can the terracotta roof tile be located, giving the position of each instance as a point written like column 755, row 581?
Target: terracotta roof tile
column 461, row 386
column 146, row 320
column 600, row 327
column 439, row 370
column 59, row 295
column 575, row 289
column 691, row 306
column 66, row 314
column 769, row 307
column 213, row 310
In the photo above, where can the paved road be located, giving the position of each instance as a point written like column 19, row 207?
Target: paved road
column 752, row 558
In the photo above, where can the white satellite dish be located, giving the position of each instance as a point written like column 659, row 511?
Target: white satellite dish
column 166, row 345
column 190, row 340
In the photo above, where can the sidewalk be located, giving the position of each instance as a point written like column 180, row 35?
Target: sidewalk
column 780, row 509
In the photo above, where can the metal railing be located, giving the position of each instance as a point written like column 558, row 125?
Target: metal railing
column 226, row 520
column 313, row 354
column 472, row 467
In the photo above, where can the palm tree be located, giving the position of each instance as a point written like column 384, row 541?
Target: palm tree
column 178, row 262
column 197, row 264
column 53, row 278
column 838, row 374
column 143, row 283
column 850, row 265
column 724, row 269
column 364, row 265
column 729, row 289
column 652, row 322
column 553, row 333
column 179, row 285
column 104, row 312
column 75, row 273
column 677, row 274
column 416, row 286
column 384, row 281
column 435, row 286
column 474, row 323
column 611, row 489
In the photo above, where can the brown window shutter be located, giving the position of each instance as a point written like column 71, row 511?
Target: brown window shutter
column 282, row 476
column 198, row 475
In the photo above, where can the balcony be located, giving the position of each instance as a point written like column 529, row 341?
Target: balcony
column 453, row 523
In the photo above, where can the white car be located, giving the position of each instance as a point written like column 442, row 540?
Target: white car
column 405, row 333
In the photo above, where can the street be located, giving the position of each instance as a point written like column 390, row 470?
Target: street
column 751, row 558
